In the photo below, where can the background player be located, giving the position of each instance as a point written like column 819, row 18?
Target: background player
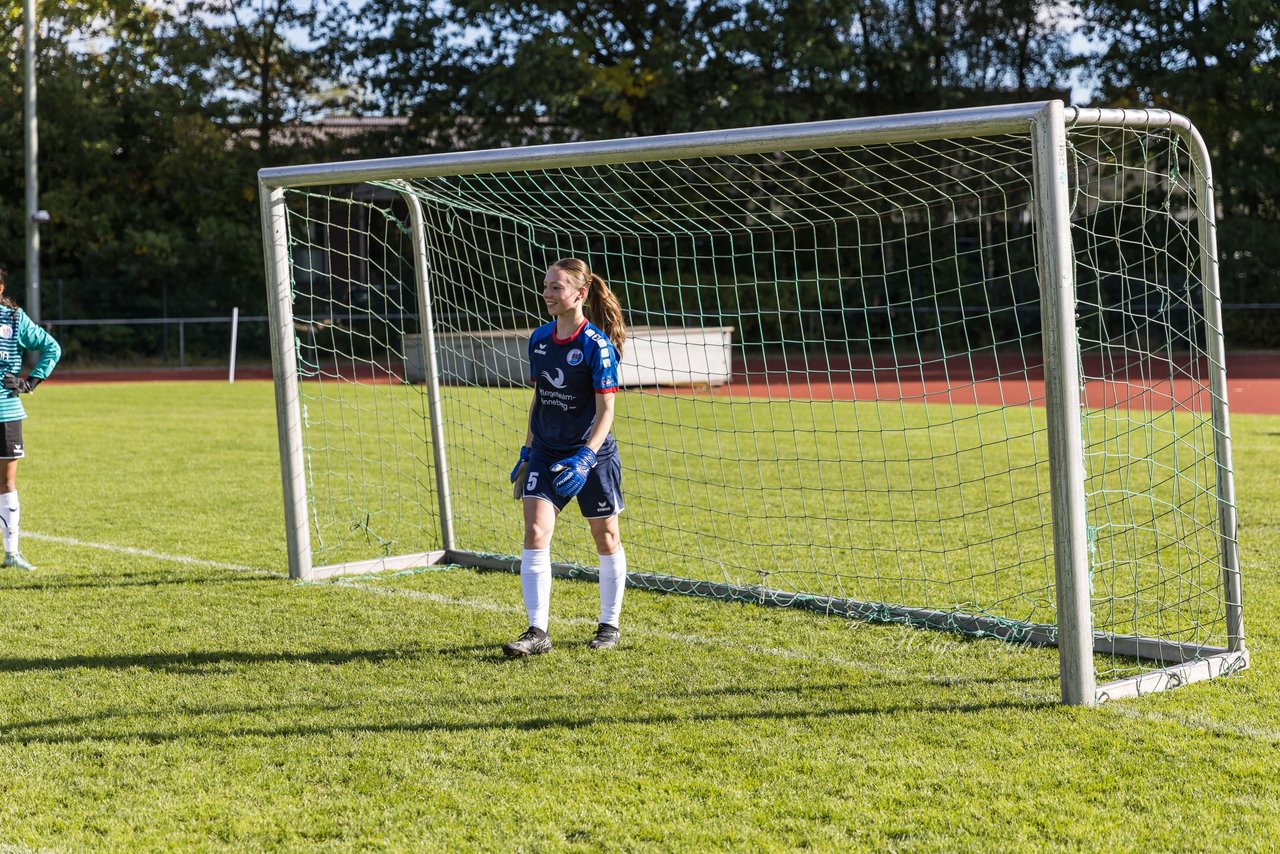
column 18, row 335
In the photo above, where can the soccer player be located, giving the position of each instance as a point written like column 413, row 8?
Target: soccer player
column 18, row 335
column 568, row 450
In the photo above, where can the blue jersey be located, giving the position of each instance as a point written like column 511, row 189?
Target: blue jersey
column 567, row 375
column 17, row 336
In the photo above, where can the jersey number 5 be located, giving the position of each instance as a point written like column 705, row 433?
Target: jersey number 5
column 533, row 482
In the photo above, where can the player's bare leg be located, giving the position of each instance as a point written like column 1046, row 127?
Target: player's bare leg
column 9, row 515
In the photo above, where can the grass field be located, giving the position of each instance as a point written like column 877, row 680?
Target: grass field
column 879, row 502
column 163, row 686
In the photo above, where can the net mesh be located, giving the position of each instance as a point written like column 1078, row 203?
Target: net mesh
column 834, row 375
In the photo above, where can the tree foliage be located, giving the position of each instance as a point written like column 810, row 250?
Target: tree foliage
column 155, row 116
column 1218, row 62
column 145, row 163
column 564, row 69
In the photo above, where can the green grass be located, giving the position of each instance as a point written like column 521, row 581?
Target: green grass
column 944, row 507
column 149, row 702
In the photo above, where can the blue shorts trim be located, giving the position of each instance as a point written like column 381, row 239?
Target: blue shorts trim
column 600, row 498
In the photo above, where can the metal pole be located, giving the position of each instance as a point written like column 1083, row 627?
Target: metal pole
column 1216, row 346
column 1055, row 267
column 918, row 127
column 284, row 361
column 235, row 330
column 1206, row 213
column 34, row 215
column 431, row 369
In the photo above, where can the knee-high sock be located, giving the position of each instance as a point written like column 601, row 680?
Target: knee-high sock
column 613, row 583
column 9, row 520
column 535, row 584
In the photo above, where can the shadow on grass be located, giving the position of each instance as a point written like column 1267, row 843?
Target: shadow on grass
column 488, row 652
column 491, row 654
column 213, row 711
column 195, row 662
column 90, row 583
column 531, row 724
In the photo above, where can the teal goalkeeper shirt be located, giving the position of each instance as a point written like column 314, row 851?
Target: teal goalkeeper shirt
column 18, row 335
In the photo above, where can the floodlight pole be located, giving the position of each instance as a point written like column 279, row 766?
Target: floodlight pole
column 34, row 215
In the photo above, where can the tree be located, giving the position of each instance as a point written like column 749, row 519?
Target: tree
column 502, row 72
column 1217, row 62
column 151, row 202
column 482, row 72
column 266, row 63
column 412, row 62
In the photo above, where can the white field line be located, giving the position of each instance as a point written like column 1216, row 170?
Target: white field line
column 1192, row 721
column 127, row 550
column 1123, row 708
column 449, row 601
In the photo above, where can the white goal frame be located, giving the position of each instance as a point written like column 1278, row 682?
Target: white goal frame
column 1048, row 124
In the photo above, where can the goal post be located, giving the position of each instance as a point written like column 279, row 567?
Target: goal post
column 960, row 370
column 1062, row 404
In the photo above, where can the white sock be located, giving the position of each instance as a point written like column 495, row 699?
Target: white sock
column 9, row 519
column 613, row 583
column 535, row 583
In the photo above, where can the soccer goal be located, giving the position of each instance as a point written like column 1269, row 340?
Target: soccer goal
column 960, row 370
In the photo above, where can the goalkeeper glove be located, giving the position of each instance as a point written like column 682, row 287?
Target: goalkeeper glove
column 19, row 385
column 573, row 472
column 518, row 473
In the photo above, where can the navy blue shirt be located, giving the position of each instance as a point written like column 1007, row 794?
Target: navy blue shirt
column 567, row 375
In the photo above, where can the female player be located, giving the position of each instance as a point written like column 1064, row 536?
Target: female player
column 568, row 450
column 17, row 336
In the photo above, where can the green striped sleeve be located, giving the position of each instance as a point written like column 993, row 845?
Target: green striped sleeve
column 35, row 338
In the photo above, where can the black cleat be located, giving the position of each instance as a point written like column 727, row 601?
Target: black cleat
column 606, row 637
column 533, row 642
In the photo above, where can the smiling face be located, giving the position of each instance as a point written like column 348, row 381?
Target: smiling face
column 562, row 292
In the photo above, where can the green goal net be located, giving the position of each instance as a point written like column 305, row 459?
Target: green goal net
column 836, row 387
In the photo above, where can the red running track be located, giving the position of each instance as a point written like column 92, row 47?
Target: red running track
column 1253, row 381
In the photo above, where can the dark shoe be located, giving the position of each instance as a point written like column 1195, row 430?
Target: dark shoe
column 606, row 637
column 533, row 642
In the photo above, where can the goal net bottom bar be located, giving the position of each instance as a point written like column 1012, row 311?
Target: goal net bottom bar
column 1184, row 663
column 379, row 564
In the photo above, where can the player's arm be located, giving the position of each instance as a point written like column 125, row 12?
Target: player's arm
column 528, row 434
column 522, row 464
column 33, row 337
column 603, row 422
column 604, row 379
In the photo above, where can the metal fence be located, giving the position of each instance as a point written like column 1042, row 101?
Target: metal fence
column 162, row 341
column 139, row 342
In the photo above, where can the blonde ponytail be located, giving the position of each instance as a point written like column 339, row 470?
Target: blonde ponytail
column 604, row 311
column 602, row 307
